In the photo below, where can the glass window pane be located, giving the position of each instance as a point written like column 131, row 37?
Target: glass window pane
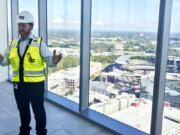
column 171, row 117
column 64, row 37
column 123, row 44
column 9, row 21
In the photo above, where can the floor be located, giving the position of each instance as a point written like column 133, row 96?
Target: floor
column 59, row 121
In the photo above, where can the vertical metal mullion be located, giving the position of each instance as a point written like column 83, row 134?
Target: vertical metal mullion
column 7, row 7
column 85, row 53
column 14, row 13
column 160, row 68
column 42, row 16
column 42, row 27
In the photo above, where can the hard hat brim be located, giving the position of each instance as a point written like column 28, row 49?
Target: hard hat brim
column 22, row 21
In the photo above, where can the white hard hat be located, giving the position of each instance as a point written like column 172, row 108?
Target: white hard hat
column 25, row 17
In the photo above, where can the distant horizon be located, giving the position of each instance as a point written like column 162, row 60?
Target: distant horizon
column 75, row 30
column 35, row 31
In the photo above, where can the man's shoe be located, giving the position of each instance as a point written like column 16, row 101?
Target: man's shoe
column 42, row 132
column 25, row 131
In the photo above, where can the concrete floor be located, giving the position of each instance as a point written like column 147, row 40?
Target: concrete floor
column 59, row 121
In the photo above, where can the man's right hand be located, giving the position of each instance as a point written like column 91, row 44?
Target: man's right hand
column 1, row 57
column 56, row 58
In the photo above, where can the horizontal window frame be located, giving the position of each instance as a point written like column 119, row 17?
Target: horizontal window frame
column 90, row 115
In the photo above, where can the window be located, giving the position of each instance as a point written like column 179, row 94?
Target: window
column 123, row 44
column 171, row 115
column 64, row 37
column 9, row 21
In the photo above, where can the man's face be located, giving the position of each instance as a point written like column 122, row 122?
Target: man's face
column 24, row 29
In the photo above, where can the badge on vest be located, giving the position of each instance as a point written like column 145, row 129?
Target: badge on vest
column 15, row 86
column 30, row 59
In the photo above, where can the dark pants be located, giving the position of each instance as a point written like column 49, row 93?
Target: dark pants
column 26, row 94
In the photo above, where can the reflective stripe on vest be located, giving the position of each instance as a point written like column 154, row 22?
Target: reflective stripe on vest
column 33, row 63
column 15, row 72
column 34, row 72
column 30, row 72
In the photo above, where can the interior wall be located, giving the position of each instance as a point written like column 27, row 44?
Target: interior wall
column 3, row 36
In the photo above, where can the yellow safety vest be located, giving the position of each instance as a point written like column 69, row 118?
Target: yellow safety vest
column 33, row 64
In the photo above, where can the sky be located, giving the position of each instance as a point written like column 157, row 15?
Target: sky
column 115, row 15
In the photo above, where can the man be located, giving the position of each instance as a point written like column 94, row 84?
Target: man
column 28, row 56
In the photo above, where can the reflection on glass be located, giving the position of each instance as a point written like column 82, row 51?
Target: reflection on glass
column 171, row 117
column 64, row 36
column 122, row 63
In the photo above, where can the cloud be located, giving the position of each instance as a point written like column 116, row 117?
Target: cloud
column 177, row 16
column 60, row 20
column 177, row 4
column 76, row 22
column 97, row 23
column 57, row 20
